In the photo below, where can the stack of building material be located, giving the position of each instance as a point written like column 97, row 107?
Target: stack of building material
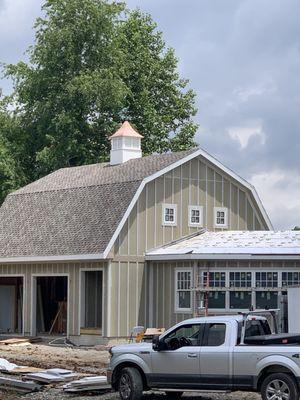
column 18, row 386
column 88, row 384
column 48, row 376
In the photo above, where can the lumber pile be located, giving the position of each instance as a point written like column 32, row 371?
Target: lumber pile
column 55, row 375
column 18, row 386
column 96, row 383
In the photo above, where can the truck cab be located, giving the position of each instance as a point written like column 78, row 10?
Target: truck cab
column 209, row 353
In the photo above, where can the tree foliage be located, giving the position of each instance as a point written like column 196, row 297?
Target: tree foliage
column 93, row 65
column 10, row 172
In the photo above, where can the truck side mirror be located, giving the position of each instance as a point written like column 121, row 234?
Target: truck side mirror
column 157, row 344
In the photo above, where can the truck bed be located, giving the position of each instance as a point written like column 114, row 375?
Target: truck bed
column 282, row 338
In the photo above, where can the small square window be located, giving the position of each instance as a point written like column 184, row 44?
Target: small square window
column 195, row 216
column 169, row 216
column 221, row 217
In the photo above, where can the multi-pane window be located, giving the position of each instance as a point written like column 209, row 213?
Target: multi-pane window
column 183, row 289
column 221, row 216
column 240, row 300
column 195, row 216
column 290, row 278
column 266, row 299
column 216, row 279
column 266, row 279
column 169, row 214
column 216, row 299
column 240, row 279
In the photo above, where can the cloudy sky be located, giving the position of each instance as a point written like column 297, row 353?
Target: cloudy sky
column 243, row 60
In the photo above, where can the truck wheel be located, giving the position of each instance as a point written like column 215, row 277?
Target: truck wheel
column 279, row 386
column 130, row 384
column 174, row 395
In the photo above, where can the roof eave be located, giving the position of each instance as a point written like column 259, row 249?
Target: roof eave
column 59, row 258
column 224, row 256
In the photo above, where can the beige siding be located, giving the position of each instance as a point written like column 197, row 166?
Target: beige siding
column 194, row 183
column 72, row 270
column 162, row 308
column 128, row 296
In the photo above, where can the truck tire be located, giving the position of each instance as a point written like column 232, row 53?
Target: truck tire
column 174, row 395
column 282, row 385
column 130, row 384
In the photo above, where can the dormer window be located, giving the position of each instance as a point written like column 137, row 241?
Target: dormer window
column 169, row 214
column 195, row 216
column 221, row 217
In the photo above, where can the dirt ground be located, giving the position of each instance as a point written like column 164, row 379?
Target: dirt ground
column 85, row 361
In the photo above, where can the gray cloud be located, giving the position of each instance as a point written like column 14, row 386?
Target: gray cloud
column 243, row 60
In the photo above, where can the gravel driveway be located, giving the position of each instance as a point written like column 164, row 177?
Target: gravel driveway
column 56, row 394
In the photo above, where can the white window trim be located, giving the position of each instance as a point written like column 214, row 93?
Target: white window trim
column 198, row 208
column 177, row 309
column 169, row 223
column 221, row 209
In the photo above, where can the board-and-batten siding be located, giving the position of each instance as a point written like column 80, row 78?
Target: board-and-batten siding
column 193, row 183
column 196, row 182
column 162, row 308
column 72, row 270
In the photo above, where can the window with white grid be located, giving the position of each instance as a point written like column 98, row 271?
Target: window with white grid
column 216, row 279
column 290, row 279
column 195, row 216
column 266, row 279
column 183, row 282
column 240, row 279
column 169, row 216
column 221, row 217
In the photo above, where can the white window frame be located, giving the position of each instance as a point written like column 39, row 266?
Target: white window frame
column 169, row 223
column 177, row 308
column 221, row 209
column 197, row 208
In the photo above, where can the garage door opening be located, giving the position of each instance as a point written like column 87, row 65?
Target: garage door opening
column 51, row 305
column 11, row 305
column 91, row 302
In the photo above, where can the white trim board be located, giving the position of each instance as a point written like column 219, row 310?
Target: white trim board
column 196, row 153
column 37, row 259
column 211, row 256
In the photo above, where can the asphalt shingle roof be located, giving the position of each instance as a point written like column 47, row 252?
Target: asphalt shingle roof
column 73, row 210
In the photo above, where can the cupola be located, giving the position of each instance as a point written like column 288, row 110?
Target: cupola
column 125, row 144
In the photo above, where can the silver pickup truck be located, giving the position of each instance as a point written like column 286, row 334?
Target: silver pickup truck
column 227, row 353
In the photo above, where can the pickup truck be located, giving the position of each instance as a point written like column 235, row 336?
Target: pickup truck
column 228, row 353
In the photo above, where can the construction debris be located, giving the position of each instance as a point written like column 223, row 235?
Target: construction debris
column 88, row 384
column 19, row 386
column 10, row 368
column 55, row 375
column 24, row 340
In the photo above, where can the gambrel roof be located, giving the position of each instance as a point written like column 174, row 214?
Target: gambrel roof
column 77, row 213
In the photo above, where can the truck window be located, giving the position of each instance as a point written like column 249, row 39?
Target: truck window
column 257, row 328
column 214, row 334
column 187, row 335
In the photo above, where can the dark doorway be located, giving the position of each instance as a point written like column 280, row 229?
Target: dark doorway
column 11, row 305
column 51, row 305
column 93, row 293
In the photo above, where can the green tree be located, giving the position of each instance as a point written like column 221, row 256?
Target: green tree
column 10, row 173
column 296, row 228
column 93, row 65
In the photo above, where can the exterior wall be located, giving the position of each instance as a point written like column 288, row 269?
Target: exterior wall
column 194, row 183
column 162, row 281
column 198, row 183
column 128, row 297
column 72, row 271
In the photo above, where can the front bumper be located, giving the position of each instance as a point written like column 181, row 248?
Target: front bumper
column 109, row 376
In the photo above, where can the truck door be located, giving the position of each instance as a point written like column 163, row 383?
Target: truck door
column 177, row 366
column 215, row 356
